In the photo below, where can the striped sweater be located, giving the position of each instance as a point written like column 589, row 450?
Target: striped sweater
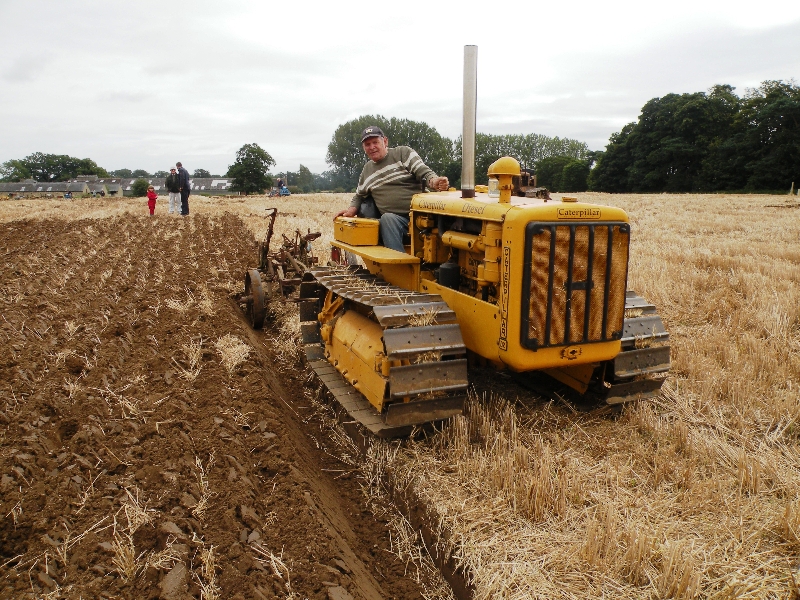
column 393, row 180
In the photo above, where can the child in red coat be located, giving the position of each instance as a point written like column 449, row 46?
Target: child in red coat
column 151, row 199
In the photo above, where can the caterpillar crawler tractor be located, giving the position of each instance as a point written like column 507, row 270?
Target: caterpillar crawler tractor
column 525, row 284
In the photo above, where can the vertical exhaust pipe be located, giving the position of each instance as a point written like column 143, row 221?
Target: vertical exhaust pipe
column 470, row 116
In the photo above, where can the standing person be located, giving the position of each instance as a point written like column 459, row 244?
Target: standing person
column 173, row 185
column 185, row 188
column 391, row 177
column 151, row 199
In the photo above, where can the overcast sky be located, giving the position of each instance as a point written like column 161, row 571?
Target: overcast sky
column 144, row 84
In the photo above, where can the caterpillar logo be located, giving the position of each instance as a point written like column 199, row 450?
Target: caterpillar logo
column 579, row 213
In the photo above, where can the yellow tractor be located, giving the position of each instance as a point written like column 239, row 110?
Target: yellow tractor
column 525, row 284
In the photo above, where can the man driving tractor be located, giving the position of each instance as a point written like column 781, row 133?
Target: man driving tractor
column 387, row 183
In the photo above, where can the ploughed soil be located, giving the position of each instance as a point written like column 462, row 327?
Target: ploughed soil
column 151, row 444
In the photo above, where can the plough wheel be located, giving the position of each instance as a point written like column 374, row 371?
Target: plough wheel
column 255, row 294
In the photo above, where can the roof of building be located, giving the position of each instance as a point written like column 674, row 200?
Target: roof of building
column 96, row 184
column 62, row 186
column 43, row 188
column 211, row 183
column 196, row 183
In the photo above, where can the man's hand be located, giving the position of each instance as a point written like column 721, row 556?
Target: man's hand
column 438, row 184
column 349, row 212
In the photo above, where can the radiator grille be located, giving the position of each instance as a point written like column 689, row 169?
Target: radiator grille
column 575, row 280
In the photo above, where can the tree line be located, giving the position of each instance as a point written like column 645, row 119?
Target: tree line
column 440, row 153
column 707, row 142
column 61, row 167
column 127, row 173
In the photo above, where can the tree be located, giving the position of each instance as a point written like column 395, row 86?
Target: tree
column 326, row 181
column 453, row 172
column 14, row 170
column 139, row 187
column 140, row 173
column 305, row 180
column 575, row 176
column 50, row 167
column 160, row 174
column 671, row 140
column 550, row 170
column 201, row 173
column 722, row 167
column 771, row 140
column 122, row 173
column 250, row 172
column 527, row 149
column 611, row 172
column 710, row 141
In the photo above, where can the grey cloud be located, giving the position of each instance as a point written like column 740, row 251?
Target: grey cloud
column 26, row 68
column 596, row 94
column 696, row 61
column 125, row 97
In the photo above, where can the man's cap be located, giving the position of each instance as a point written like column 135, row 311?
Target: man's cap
column 372, row 131
column 172, row 169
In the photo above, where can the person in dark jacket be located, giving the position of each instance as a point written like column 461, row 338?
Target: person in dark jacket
column 185, row 188
column 173, row 185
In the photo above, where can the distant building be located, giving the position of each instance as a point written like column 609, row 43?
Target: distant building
column 114, row 187
column 210, row 186
column 98, row 189
column 24, row 189
column 13, row 190
column 126, row 184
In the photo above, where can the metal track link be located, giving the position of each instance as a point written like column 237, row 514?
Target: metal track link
column 644, row 354
column 419, row 330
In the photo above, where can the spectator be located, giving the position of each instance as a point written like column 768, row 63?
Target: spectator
column 185, row 188
column 173, row 186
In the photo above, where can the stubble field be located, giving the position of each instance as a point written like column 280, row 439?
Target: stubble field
column 153, row 446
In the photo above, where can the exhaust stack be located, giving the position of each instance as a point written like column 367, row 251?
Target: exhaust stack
column 470, row 116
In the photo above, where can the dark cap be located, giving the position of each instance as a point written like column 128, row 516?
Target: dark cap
column 372, row 131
